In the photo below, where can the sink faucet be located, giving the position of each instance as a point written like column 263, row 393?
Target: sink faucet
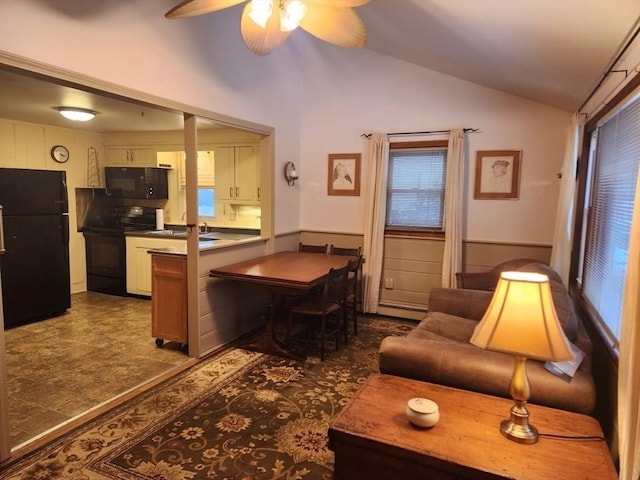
column 204, row 227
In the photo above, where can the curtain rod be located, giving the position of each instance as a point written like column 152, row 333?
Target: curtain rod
column 428, row 132
column 611, row 68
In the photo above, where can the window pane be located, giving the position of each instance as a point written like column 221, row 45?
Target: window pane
column 614, row 183
column 206, row 202
column 415, row 196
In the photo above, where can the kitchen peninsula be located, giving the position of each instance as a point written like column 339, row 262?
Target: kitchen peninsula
column 140, row 244
column 166, row 260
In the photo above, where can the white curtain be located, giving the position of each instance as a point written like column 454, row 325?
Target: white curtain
column 373, row 248
column 563, row 236
column 452, row 259
column 629, row 359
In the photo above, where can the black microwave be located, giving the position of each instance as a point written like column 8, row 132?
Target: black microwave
column 137, row 182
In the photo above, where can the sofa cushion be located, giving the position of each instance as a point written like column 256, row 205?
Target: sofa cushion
column 443, row 327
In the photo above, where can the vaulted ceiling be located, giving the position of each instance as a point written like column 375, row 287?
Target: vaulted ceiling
column 550, row 51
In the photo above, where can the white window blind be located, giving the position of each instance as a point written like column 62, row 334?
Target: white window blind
column 611, row 209
column 415, row 188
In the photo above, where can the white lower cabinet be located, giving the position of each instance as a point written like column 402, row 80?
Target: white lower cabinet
column 139, row 261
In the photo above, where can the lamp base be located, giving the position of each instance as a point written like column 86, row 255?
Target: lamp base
column 517, row 427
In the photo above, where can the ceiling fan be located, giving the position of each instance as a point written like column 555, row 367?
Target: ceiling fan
column 266, row 24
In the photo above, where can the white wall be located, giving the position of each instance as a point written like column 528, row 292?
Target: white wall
column 347, row 93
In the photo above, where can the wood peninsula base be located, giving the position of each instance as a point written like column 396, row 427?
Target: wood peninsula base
column 169, row 298
column 373, row 439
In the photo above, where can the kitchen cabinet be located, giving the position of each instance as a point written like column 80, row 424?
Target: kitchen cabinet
column 131, row 157
column 139, row 280
column 206, row 169
column 169, row 299
column 237, row 173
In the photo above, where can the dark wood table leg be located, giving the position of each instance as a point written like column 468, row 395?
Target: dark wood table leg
column 267, row 342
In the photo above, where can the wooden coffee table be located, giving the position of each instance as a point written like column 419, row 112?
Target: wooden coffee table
column 372, row 438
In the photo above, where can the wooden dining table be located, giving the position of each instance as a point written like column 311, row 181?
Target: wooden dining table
column 281, row 273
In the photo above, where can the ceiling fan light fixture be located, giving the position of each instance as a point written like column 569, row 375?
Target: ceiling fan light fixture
column 291, row 14
column 263, row 29
column 261, row 11
column 77, row 114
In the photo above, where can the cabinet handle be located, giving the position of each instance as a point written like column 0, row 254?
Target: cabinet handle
column 1, row 232
column 237, row 192
column 231, row 192
column 258, row 193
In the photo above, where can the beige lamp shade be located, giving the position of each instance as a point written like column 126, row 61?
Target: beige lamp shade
column 521, row 320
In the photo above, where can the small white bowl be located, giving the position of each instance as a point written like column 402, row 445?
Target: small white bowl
column 423, row 412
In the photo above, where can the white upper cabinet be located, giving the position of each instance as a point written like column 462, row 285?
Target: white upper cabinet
column 131, row 157
column 206, row 169
column 237, row 173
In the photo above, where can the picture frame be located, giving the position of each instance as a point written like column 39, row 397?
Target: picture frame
column 343, row 176
column 497, row 174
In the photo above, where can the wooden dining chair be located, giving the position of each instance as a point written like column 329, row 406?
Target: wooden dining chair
column 304, row 247
column 355, row 277
column 353, row 293
column 327, row 309
column 353, row 252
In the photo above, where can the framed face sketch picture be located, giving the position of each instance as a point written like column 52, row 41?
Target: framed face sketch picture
column 497, row 174
column 344, row 174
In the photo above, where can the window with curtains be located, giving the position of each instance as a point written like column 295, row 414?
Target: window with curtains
column 611, row 183
column 415, row 186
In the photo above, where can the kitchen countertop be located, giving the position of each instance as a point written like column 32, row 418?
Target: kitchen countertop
column 207, row 240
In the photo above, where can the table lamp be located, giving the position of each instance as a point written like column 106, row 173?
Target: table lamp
column 521, row 320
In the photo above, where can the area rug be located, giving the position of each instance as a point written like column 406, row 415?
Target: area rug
column 239, row 415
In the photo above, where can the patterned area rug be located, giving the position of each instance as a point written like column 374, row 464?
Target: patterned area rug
column 238, row 415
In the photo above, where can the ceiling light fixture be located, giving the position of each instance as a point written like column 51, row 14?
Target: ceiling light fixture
column 261, row 11
column 291, row 14
column 264, row 30
column 77, row 114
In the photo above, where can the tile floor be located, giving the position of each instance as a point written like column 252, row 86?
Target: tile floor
column 61, row 367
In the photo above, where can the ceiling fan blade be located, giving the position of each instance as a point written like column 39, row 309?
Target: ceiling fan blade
column 338, row 25
column 191, row 8
column 261, row 41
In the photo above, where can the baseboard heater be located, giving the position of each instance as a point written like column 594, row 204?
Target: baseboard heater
column 403, row 307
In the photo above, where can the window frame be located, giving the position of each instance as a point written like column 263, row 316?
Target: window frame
column 414, row 231
column 585, row 166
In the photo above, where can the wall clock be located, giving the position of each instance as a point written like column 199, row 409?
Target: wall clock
column 60, row 153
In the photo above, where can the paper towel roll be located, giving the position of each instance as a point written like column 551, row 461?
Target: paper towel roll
column 159, row 219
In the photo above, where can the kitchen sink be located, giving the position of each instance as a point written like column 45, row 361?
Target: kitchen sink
column 182, row 234
column 208, row 236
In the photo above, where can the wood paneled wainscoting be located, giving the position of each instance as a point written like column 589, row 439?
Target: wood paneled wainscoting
column 412, row 266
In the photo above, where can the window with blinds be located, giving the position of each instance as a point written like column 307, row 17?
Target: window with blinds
column 612, row 192
column 415, row 188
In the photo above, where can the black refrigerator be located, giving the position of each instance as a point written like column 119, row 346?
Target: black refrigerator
column 35, row 263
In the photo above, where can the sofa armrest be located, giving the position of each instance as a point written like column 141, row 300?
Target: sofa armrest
column 459, row 302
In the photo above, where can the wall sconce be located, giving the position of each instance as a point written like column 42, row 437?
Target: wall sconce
column 290, row 173
column 76, row 114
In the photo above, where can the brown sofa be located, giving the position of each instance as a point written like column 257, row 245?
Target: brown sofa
column 438, row 349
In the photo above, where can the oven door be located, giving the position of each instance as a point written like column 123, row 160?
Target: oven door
column 106, row 262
